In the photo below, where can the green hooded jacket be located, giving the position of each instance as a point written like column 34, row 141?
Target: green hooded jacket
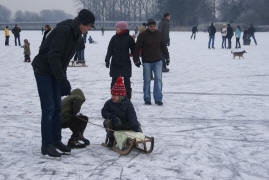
column 71, row 105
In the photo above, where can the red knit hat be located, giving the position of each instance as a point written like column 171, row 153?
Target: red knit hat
column 118, row 89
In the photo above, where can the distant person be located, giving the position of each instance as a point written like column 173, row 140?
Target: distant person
column 164, row 28
column 79, row 56
column 50, row 66
column 252, row 31
column 42, row 30
column 153, row 48
column 27, row 51
column 230, row 34
column 16, row 31
column 238, row 36
column 224, row 36
column 136, row 31
column 211, row 32
column 90, row 39
column 246, row 37
column 46, row 33
column 103, row 31
column 6, row 36
column 194, row 31
column 142, row 28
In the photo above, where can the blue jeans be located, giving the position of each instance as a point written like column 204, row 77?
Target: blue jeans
column 50, row 100
column 156, row 68
column 211, row 39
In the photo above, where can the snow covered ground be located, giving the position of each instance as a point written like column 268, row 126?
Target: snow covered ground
column 214, row 124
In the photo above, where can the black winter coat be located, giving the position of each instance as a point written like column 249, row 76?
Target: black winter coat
column 211, row 30
column 251, row 30
column 118, row 49
column 230, row 32
column 123, row 110
column 58, row 48
column 16, row 31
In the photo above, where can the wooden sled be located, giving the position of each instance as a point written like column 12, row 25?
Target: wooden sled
column 131, row 143
column 78, row 63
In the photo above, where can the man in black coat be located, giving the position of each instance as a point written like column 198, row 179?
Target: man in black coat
column 50, row 67
column 16, row 31
column 252, row 31
column 230, row 34
column 211, row 32
column 164, row 28
column 119, row 47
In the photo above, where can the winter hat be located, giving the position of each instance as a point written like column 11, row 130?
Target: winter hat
column 86, row 17
column 122, row 25
column 151, row 22
column 118, row 89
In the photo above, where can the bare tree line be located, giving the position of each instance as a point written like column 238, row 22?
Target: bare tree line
column 129, row 10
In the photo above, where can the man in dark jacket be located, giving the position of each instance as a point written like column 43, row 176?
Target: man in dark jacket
column 16, row 31
column 211, row 32
column 119, row 112
column 230, row 34
column 194, row 31
column 71, row 118
column 164, row 28
column 252, row 31
column 50, row 67
column 153, row 47
column 119, row 47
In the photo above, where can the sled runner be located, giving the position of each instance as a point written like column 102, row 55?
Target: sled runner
column 78, row 63
column 125, row 141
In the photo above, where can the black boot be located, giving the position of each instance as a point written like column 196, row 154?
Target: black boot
column 75, row 143
column 50, row 151
column 110, row 141
column 63, row 147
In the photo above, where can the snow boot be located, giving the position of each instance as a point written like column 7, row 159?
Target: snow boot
column 75, row 143
column 50, row 151
column 63, row 147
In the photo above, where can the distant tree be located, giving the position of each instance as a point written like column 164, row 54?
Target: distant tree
column 5, row 14
column 54, row 15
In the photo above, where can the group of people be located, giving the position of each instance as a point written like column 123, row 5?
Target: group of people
column 227, row 33
column 50, row 65
column 16, row 32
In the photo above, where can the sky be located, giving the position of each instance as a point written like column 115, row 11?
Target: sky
column 69, row 6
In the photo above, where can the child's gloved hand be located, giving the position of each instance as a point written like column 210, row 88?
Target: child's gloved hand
column 116, row 122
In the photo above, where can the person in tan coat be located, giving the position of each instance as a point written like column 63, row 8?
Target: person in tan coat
column 27, row 51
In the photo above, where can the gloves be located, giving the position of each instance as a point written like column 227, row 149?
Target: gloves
column 116, row 122
column 107, row 64
column 138, row 64
column 167, row 62
column 65, row 87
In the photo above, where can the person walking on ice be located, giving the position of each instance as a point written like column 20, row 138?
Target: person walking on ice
column 50, row 66
column 153, row 47
column 119, row 46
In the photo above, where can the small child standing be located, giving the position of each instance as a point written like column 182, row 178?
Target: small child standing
column 27, row 51
column 119, row 46
column 119, row 112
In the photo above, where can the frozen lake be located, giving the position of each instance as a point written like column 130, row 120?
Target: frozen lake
column 214, row 124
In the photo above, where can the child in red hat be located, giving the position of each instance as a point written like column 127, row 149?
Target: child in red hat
column 119, row 112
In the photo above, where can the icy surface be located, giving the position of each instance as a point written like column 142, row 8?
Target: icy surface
column 214, row 124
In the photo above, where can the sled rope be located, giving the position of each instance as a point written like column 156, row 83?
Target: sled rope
column 98, row 125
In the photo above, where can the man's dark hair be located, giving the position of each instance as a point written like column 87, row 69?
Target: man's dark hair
column 151, row 22
column 166, row 14
column 86, row 17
